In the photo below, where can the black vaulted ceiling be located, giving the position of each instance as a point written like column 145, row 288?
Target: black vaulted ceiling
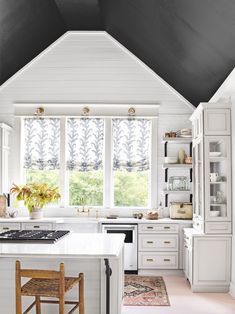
column 189, row 43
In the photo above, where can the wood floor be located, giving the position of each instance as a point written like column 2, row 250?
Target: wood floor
column 183, row 301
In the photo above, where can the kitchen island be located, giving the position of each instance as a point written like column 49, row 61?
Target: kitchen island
column 91, row 254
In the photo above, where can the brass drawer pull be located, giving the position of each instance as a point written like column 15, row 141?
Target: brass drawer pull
column 5, row 228
column 167, row 242
column 167, row 227
column 167, row 260
column 149, row 227
column 36, row 227
column 150, row 242
column 149, row 259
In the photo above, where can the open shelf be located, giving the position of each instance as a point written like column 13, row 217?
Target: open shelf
column 176, row 192
column 180, row 140
column 187, row 166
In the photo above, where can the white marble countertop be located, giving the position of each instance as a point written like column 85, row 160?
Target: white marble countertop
column 92, row 220
column 74, row 245
column 27, row 219
column 143, row 220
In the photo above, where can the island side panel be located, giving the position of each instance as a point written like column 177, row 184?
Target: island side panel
column 90, row 268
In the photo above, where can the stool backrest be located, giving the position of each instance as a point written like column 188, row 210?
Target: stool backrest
column 39, row 274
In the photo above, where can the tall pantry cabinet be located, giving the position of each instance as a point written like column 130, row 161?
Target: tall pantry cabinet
column 207, row 246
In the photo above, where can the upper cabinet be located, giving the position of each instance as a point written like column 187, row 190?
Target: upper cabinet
column 217, row 121
column 4, row 156
column 212, row 168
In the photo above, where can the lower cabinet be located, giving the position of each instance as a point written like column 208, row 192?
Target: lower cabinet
column 207, row 261
column 158, row 246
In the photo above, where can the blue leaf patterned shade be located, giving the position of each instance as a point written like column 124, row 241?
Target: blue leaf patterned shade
column 131, row 144
column 85, row 141
column 42, row 143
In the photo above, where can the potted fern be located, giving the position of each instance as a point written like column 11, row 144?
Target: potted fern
column 35, row 197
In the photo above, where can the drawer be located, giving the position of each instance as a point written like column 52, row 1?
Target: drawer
column 158, row 242
column 158, row 260
column 37, row 226
column 9, row 226
column 218, row 227
column 158, row 227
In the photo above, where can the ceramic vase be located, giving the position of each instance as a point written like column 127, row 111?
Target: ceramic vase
column 181, row 156
column 36, row 213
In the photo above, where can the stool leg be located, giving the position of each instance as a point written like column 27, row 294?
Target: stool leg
column 18, row 289
column 81, row 294
column 38, row 305
column 18, row 304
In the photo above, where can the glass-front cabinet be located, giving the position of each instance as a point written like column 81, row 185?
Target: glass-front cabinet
column 212, row 168
column 217, row 178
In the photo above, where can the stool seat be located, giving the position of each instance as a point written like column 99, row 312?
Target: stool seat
column 47, row 287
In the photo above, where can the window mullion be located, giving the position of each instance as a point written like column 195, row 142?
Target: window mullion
column 63, row 176
column 107, row 164
column 153, row 165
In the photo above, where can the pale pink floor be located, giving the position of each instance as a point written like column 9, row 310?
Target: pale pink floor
column 183, row 301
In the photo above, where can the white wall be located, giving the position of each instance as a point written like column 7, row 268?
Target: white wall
column 227, row 93
column 92, row 68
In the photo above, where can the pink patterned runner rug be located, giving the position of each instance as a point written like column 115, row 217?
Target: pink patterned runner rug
column 145, row 290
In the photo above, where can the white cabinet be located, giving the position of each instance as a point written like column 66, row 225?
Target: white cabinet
column 158, row 246
column 212, row 168
column 207, row 261
column 4, row 156
column 217, row 121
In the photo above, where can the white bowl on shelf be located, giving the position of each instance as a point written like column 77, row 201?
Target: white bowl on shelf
column 214, row 213
column 215, row 154
column 171, row 160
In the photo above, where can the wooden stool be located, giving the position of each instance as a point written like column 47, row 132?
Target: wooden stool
column 47, row 283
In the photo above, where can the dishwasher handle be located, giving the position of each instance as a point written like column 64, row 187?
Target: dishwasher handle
column 119, row 227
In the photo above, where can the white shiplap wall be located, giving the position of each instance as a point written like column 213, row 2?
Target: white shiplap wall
column 92, row 68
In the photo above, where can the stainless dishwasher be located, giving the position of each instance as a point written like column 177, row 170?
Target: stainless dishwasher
column 130, row 245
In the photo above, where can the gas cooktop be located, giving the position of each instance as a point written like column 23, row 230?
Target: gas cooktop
column 29, row 236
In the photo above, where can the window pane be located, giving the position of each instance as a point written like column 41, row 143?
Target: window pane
column 51, row 177
column 131, row 188
column 87, row 185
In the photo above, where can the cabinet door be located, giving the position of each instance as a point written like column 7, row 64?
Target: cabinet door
column 211, row 261
column 217, row 122
column 217, row 178
column 198, row 179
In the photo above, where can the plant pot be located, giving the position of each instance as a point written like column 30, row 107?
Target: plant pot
column 36, row 213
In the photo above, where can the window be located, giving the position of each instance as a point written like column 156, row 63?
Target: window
column 85, row 137
column 90, row 158
column 131, row 139
column 42, row 150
